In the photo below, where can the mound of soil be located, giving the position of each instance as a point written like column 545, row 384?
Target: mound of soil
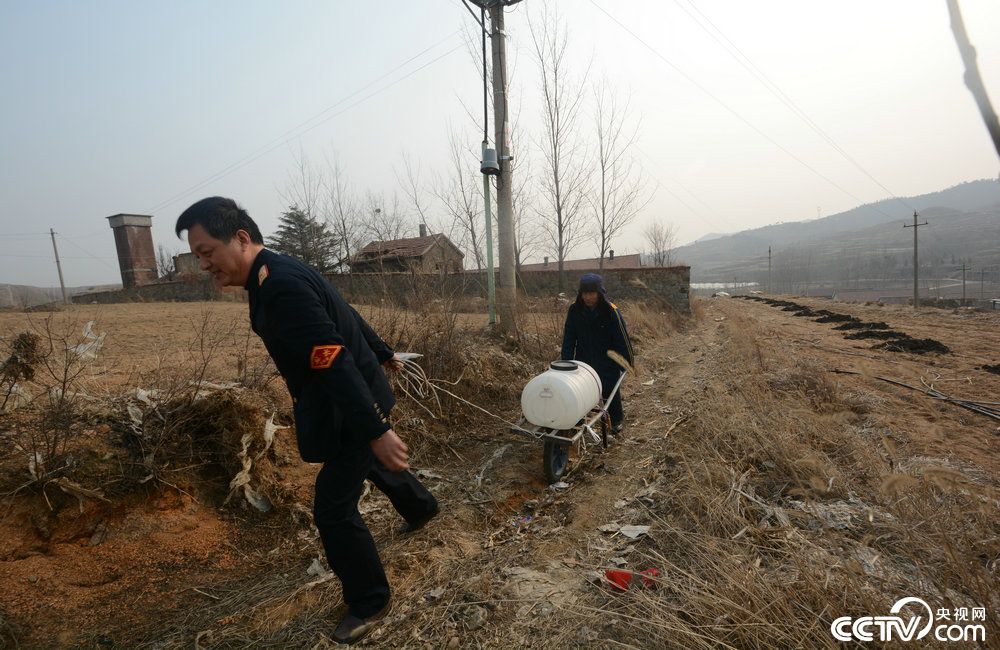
column 882, row 335
column 836, row 318
column 806, row 312
column 862, row 325
column 995, row 368
column 917, row 346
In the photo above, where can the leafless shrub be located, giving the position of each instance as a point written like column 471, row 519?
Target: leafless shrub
column 57, row 361
column 254, row 367
column 25, row 354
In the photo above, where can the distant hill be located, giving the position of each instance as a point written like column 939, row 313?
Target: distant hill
column 965, row 224
column 710, row 236
column 17, row 295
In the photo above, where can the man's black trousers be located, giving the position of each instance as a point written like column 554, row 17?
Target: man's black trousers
column 350, row 548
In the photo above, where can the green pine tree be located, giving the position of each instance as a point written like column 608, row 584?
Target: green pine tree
column 305, row 237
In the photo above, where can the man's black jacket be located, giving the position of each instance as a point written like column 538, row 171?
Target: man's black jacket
column 590, row 333
column 328, row 355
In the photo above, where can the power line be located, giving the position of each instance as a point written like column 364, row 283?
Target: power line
column 88, row 253
column 24, row 235
column 697, row 213
column 733, row 111
column 776, row 90
column 295, row 131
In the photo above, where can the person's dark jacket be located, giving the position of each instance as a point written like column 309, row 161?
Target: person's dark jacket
column 590, row 333
column 328, row 355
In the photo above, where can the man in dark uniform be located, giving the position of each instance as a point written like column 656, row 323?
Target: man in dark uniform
column 330, row 359
column 593, row 327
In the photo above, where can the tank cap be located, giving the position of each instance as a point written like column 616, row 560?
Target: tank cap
column 564, row 365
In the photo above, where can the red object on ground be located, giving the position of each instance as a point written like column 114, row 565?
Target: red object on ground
column 621, row 580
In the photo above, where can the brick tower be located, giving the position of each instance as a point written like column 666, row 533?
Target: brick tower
column 134, row 242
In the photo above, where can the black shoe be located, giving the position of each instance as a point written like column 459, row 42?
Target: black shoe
column 353, row 629
column 616, row 429
column 413, row 526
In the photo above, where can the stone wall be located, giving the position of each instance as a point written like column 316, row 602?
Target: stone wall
column 666, row 286
column 669, row 286
column 190, row 289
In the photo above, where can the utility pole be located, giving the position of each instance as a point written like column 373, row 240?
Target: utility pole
column 964, row 269
column 62, row 285
column 982, row 284
column 769, row 269
column 506, row 295
column 916, row 266
column 491, row 291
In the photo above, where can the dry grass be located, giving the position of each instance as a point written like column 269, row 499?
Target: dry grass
column 779, row 496
column 778, row 513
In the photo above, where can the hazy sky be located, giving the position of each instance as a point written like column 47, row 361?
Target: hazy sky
column 116, row 107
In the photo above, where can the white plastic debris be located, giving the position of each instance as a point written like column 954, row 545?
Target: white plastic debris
column 35, row 462
column 17, row 399
column 92, row 343
column 435, row 594
column 242, row 478
column 316, row 568
column 633, row 532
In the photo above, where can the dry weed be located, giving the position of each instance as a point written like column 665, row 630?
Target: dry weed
column 775, row 517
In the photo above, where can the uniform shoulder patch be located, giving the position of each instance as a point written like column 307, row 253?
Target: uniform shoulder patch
column 262, row 275
column 323, row 356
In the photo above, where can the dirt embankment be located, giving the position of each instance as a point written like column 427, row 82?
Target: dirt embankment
column 770, row 494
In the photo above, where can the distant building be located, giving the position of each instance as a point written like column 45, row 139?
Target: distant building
column 186, row 264
column 428, row 253
column 589, row 264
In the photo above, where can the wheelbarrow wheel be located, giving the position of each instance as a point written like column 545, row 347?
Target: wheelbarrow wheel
column 555, row 459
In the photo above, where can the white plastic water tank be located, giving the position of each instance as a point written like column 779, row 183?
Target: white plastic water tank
column 562, row 395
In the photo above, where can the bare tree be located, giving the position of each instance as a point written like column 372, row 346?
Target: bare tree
column 564, row 168
column 304, row 186
column 620, row 192
column 661, row 239
column 382, row 219
column 413, row 188
column 526, row 227
column 342, row 214
column 461, row 195
column 164, row 262
column 527, row 232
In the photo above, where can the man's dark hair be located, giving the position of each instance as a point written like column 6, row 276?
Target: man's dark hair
column 220, row 217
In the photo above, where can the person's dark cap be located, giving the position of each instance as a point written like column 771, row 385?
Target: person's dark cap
column 592, row 282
